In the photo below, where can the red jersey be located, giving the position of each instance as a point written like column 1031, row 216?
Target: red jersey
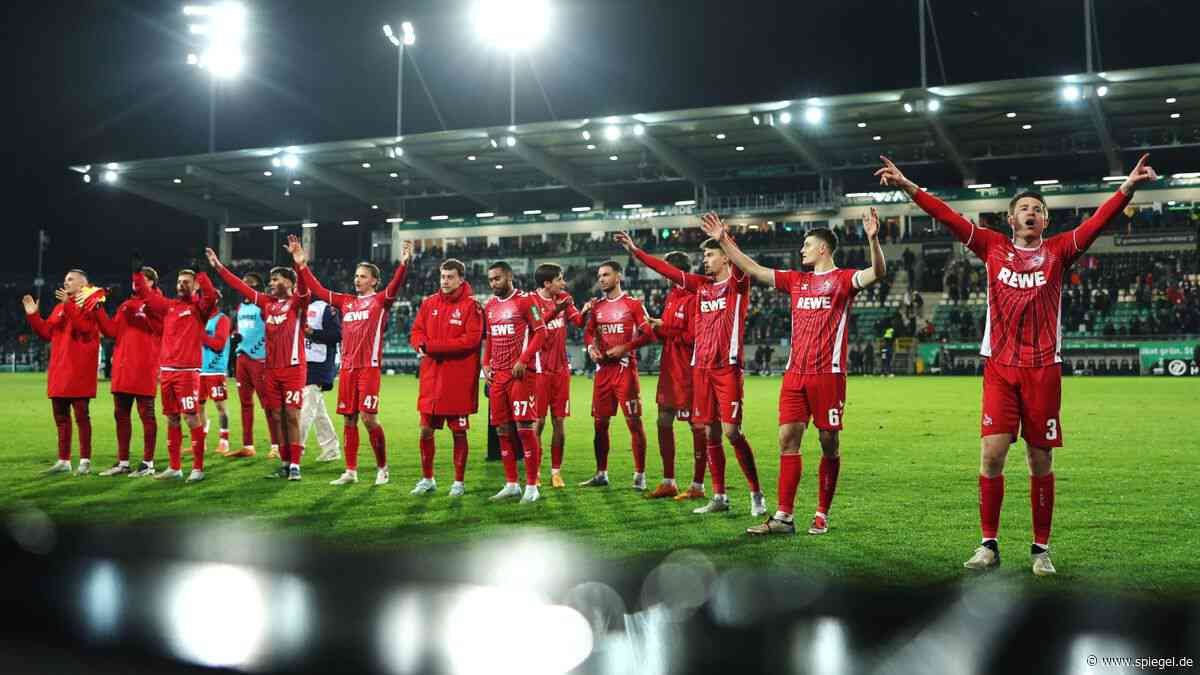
column 183, row 320
column 1024, row 291
column 74, row 349
column 721, row 308
column 513, row 330
column 618, row 321
column 553, row 355
column 820, row 309
column 285, row 318
column 364, row 318
column 678, row 329
column 138, row 333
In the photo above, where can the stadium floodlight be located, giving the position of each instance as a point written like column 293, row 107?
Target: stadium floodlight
column 631, row 206
column 110, row 176
column 471, row 158
column 933, row 105
column 87, row 177
column 233, row 229
column 862, row 125
column 581, row 209
column 268, row 173
column 224, row 35
column 349, row 222
column 740, row 148
column 908, row 107
column 1111, row 179
column 1046, row 181
column 720, row 137
column 638, row 130
column 442, row 217
column 1071, row 93
column 613, row 158
column 533, row 212
column 686, row 202
column 511, row 24
column 785, row 117
column 177, row 181
column 1010, row 115
column 485, row 214
column 979, row 186
column 1171, row 99
column 1026, row 127
column 877, row 138
column 366, row 165
column 269, row 228
column 1102, row 91
column 510, row 141
column 612, row 133
column 290, row 161
column 1175, row 116
column 308, row 225
column 499, row 167
column 587, row 135
column 813, row 115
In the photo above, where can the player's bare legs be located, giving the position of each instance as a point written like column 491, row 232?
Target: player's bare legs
column 745, row 457
column 790, row 470
column 1041, row 504
column 993, row 451
column 600, row 446
column 508, row 456
column 666, row 449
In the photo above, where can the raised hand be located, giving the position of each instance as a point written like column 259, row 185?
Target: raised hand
column 62, row 295
column 713, row 226
column 625, row 241
column 587, row 306
column 294, row 247
column 213, row 260
column 891, row 176
column 1142, row 173
column 31, row 305
column 135, row 262
column 871, row 223
column 406, row 252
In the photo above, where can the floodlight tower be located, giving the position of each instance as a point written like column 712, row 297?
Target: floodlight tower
column 222, row 29
column 407, row 38
column 513, row 26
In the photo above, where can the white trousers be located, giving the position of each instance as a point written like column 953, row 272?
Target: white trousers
column 313, row 412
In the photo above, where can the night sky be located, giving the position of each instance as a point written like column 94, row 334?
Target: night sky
column 106, row 80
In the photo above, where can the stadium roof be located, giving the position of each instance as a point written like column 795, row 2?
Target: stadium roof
column 598, row 160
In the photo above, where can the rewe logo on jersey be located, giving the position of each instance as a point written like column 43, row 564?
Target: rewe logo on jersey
column 555, row 324
column 503, row 329
column 1021, row 279
column 713, row 305
column 611, row 328
column 276, row 319
column 809, row 302
column 360, row 315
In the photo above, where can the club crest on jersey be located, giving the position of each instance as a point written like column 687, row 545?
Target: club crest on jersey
column 456, row 314
column 499, row 329
column 1021, row 279
column 827, row 285
column 810, row 302
column 360, row 315
column 1037, row 260
column 804, row 287
column 713, row 305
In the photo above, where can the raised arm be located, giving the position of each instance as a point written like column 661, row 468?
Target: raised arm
column 878, row 268
column 36, row 322
column 713, row 227
column 962, row 229
column 80, row 322
column 216, row 341
column 252, row 296
column 401, row 273
column 156, row 304
column 108, row 326
column 1085, row 235
column 206, row 302
column 664, row 268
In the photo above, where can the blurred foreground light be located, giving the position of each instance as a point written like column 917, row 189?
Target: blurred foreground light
column 511, row 24
column 102, row 601
column 645, row 646
column 401, row 637
column 821, row 648
column 680, row 583
column 1087, row 649
column 200, row 597
column 600, row 605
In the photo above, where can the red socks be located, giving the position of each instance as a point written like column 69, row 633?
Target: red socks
column 1041, row 500
column 666, row 448
column 427, row 450
column 791, row 467
column 225, row 434
column 297, row 451
column 828, row 482
column 351, row 443
column 174, row 446
column 508, row 458
column 716, row 466
column 600, row 446
column 460, row 457
column 197, row 448
column 379, row 446
column 991, row 496
column 637, row 440
column 699, row 454
column 745, row 458
column 145, row 406
column 533, row 455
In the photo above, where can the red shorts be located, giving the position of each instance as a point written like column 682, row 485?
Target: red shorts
column 554, row 394
column 358, row 391
column 675, row 392
column 1028, row 398
column 180, row 391
column 615, row 386
column 717, row 395
column 819, row 396
column 212, row 386
column 513, row 400
column 461, row 423
column 249, row 379
column 283, row 387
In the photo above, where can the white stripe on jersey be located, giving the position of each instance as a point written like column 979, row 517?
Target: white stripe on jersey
column 836, row 362
column 383, row 315
column 734, row 336
column 296, row 344
column 985, row 348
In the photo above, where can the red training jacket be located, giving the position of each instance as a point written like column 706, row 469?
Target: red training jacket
column 448, row 329
column 74, row 350
column 139, row 342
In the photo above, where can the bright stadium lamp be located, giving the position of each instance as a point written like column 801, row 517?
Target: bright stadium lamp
column 221, row 29
column 511, row 24
column 813, row 115
column 407, row 38
column 1070, row 93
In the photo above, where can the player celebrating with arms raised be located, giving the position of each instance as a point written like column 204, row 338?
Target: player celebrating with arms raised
column 717, row 361
column 1022, row 340
column 814, row 384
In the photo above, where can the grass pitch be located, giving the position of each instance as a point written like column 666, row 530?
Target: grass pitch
column 1127, row 514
